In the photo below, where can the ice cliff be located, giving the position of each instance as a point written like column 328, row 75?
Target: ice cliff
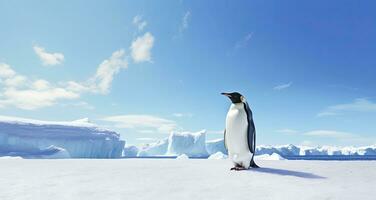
column 47, row 139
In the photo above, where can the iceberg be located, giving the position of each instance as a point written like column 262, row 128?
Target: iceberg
column 191, row 144
column 178, row 143
column 291, row 150
column 154, row 149
column 130, row 151
column 48, row 139
column 194, row 145
column 215, row 146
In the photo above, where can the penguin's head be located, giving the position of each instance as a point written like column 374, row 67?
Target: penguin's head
column 235, row 97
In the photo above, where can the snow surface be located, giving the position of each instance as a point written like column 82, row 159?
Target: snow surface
column 48, row 139
column 118, row 179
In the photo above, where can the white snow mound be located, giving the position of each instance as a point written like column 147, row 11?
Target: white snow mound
column 218, row 156
column 274, row 156
column 182, row 157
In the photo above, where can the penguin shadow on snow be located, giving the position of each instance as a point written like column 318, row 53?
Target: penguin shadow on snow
column 285, row 172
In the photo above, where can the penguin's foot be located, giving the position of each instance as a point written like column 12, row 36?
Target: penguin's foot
column 238, row 168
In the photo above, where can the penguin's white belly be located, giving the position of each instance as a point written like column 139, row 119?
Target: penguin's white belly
column 236, row 135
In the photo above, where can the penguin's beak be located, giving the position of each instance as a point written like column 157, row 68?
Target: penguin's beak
column 226, row 94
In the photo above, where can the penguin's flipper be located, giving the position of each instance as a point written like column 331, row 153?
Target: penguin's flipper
column 251, row 134
column 224, row 139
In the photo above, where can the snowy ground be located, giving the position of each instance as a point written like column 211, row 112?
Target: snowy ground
column 184, row 179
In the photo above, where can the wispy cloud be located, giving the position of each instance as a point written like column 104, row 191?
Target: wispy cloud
column 146, row 139
column 326, row 113
column 48, row 58
column 184, row 24
column 102, row 79
column 139, row 22
column 287, row 131
column 182, row 114
column 283, row 86
column 141, row 48
column 244, row 41
column 143, row 122
column 107, row 69
column 215, row 132
column 83, row 104
column 185, row 21
column 358, row 105
column 330, row 134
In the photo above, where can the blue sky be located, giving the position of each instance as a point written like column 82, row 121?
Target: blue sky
column 145, row 68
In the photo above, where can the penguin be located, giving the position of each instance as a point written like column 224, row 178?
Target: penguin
column 240, row 133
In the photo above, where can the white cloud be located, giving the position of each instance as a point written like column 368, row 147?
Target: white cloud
column 146, row 139
column 182, row 115
column 6, row 71
column 27, row 93
column 139, row 22
column 358, row 105
column 23, row 93
column 283, row 86
column 143, row 122
column 107, row 69
column 29, row 99
column 41, row 84
column 306, row 143
column 48, row 58
column 83, row 104
column 330, row 134
column 221, row 132
column 141, row 48
column 326, row 113
column 244, row 41
column 15, row 81
column 102, row 80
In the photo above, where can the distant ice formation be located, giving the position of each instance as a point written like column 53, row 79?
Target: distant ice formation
column 154, row 149
column 130, row 151
column 191, row 144
column 215, row 146
column 185, row 143
column 48, row 139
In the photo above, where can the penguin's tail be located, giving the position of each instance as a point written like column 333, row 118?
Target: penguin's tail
column 253, row 164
